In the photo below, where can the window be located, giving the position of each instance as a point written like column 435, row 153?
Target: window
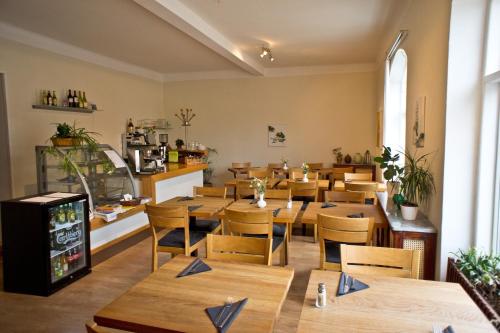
column 395, row 101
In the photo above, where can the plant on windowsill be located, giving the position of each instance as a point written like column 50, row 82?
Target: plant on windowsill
column 391, row 172
column 260, row 187
column 417, row 184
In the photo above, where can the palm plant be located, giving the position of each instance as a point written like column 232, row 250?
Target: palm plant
column 417, row 181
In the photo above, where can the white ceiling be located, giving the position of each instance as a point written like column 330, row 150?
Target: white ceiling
column 300, row 32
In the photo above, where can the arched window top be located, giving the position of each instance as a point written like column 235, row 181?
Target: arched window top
column 397, row 72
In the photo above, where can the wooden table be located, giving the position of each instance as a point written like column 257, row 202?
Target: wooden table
column 285, row 215
column 340, row 186
column 210, row 206
column 390, row 305
column 163, row 303
column 381, row 227
column 231, row 183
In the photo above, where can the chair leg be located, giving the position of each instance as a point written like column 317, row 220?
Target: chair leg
column 154, row 260
column 303, row 229
column 315, row 233
column 289, row 227
column 283, row 255
column 287, row 252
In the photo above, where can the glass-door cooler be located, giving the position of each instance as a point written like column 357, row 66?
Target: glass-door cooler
column 46, row 242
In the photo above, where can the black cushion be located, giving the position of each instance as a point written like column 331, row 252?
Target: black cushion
column 279, row 229
column 303, row 198
column 204, row 225
column 332, row 250
column 369, row 201
column 175, row 238
column 277, row 240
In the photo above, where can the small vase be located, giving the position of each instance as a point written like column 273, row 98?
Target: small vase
column 304, row 179
column 285, row 166
column 261, row 203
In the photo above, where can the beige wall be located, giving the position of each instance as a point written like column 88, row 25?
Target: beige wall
column 321, row 112
column 27, row 70
column 426, row 46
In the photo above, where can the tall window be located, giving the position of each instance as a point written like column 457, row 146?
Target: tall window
column 395, row 101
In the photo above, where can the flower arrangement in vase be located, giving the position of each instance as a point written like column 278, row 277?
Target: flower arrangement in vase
column 260, row 187
column 305, row 171
column 285, row 163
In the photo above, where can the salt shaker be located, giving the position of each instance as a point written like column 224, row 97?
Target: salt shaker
column 321, row 298
column 289, row 204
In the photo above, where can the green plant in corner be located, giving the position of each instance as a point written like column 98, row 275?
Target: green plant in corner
column 417, row 181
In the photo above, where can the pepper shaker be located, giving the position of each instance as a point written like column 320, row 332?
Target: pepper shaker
column 321, row 298
column 289, row 204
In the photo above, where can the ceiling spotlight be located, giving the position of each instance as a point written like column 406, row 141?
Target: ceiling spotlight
column 266, row 52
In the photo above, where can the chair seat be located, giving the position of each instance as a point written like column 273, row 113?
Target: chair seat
column 332, row 250
column 279, row 229
column 204, row 225
column 277, row 240
column 175, row 238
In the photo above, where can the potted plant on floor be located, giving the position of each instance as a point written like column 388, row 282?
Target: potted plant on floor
column 417, row 184
column 391, row 171
column 260, row 187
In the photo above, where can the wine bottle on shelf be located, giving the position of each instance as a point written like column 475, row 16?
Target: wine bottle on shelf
column 43, row 96
column 49, row 98
column 70, row 99
column 85, row 103
column 75, row 99
column 54, row 98
column 80, row 99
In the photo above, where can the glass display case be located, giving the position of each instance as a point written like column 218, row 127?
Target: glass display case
column 101, row 173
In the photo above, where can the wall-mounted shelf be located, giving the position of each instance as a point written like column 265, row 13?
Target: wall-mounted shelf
column 62, row 108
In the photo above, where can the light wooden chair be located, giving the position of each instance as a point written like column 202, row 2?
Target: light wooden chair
column 350, row 197
column 315, row 166
column 338, row 173
column 94, row 328
column 357, row 176
column 370, row 190
column 240, row 249
column 276, row 170
column 243, row 189
column 333, row 231
column 259, row 173
column 278, row 194
column 240, row 168
column 298, row 174
column 214, row 192
column 257, row 224
column 380, row 261
column 180, row 240
column 304, row 191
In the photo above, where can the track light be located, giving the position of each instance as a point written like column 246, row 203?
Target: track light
column 266, row 52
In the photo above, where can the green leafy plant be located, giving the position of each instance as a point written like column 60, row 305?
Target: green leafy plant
column 63, row 130
column 259, row 185
column 417, row 181
column 389, row 164
column 179, row 143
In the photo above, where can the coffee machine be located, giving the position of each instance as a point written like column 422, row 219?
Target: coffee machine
column 141, row 153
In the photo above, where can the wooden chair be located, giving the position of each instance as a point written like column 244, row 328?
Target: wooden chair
column 180, row 240
column 94, row 328
column 304, row 191
column 278, row 194
column 257, row 224
column 298, row 174
column 276, row 170
column 259, row 173
column 380, row 261
column 240, row 249
column 338, row 174
column 240, row 168
column 243, row 189
column 315, row 166
column 214, row 192
column 350, row 197
column 370, row 190
column 357, row 176
column 335, row 230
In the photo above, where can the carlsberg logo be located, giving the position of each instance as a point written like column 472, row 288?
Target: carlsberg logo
column 68, row 235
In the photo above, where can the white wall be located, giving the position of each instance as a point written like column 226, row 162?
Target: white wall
column 27, row 70
column 322, row 112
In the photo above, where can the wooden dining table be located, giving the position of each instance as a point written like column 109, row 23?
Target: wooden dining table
column 339, row 185
column 390, row 304
column 381, row 226
column 210, row 206
column 163, row 303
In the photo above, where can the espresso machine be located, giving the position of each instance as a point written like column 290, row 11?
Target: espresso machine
column 141, row 153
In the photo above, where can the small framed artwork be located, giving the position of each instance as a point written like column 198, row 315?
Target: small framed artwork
column 419, row 122
column 277, row 135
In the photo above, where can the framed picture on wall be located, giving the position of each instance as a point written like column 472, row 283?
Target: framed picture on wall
column 277, row 135
column 419, row 122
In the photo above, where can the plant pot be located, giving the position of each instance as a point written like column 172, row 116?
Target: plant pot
column 409, row 212
column 304, row 179
column 261, row 203
column 66, row 142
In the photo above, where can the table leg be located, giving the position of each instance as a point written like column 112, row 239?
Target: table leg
column 315, row 233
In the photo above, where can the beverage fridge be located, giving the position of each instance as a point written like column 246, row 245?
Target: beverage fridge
column 46, row 242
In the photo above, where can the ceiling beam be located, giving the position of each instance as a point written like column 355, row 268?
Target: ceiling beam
column 184, row 19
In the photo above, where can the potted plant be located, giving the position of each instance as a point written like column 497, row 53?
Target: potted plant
column 391, row 170
column 285, row 163
column 417, row 184
column 338, row 154
column 260, row 187
column 179, row 143
column 208, row 172
column 305, row 171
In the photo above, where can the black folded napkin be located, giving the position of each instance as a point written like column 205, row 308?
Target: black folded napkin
column 348, row 285
column 328, row 205
column 254, row 201
column 186, row 198
column 276, row 212
column 228, row 316
column 448, row 329
column 356, row 216
column 194, row 207
column 197, row 266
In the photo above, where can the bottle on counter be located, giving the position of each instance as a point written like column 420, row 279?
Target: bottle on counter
column 85, row 103
column 130, row 127
column 54, row 98
column 49, row 98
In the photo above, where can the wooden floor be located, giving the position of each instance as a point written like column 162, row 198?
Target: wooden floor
column 67, row 310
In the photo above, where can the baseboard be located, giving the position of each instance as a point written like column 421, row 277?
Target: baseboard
column 113, row 248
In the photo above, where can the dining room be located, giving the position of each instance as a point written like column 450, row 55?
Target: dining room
column 249, row 166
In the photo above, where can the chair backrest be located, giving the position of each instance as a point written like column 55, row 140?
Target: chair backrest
column 170, row 217
column 338, row 173
column 380, row 261
column 345, row 229
column 275, row 166
column 258, row 222
column 367, row 188
column 298, row 174
column 315, row 166
column 345, row 196
column 259, row 173
column 364, row 170
column 241, row 165
column 357, row 176
column 240, row 249
column 243, row 189
column 278, row 194
column 300, row 189
column 216, row 192
column 94, row 328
